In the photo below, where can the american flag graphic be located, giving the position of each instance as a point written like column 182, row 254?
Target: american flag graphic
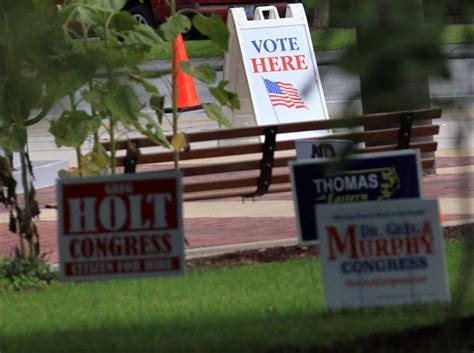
column 284, row 94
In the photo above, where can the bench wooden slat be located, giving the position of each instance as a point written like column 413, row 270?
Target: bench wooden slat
column 386, row 136
column 383, row 136
column 372, row 120
column 229, row 167
column 219, row 194
column 232, row 183
column 427, row 163
column 201, row 153
column 251, row 181
column 232, row 166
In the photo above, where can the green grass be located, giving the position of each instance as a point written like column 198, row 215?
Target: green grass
column 323, row 40
column 457, row 34
column 245, row 309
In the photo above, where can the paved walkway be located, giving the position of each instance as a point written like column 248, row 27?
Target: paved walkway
column 222, row 226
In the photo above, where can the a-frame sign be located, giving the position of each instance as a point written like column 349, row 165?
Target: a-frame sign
column 272, row 67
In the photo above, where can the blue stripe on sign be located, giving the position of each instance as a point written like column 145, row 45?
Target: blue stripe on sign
column 272, row 87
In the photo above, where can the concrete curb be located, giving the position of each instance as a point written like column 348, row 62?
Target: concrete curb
column 227, row 249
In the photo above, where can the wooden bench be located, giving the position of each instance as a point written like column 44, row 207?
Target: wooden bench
column 253, row 169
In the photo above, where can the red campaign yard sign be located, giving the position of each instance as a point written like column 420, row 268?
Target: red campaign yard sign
column 120, row 226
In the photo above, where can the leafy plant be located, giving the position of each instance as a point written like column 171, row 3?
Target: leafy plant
column 122, row 43
column 24, row 273
column 114, row 104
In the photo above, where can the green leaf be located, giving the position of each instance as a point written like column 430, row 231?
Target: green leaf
column 99, row 160
column 157, row 103
column 145, row 35
column 83, row 14
column 153, row 131
column 204, row 72
column 225, row 97
column 122, row 102
column 154, row 74
column 73, row 128
column 119, row 56
column 69, row 75
column 63, row 174
column 65, row 11
column 94, row 97
column 17, row 137
column 149, row 87
column 109, row 5
column 213, row 27
column 3, row 109
column 28, row 93
column 123, row 21
column 214, row 112
column 175, row 25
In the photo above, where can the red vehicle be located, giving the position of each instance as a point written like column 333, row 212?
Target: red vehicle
column 154, row 12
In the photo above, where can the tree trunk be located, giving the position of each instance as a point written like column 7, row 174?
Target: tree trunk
column 321, row 14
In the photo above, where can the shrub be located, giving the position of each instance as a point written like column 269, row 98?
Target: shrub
column 25, row 273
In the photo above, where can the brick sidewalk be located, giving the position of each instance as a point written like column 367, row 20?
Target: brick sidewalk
column 208, row 232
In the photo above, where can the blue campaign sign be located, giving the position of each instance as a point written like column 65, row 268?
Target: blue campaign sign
column 369, row 177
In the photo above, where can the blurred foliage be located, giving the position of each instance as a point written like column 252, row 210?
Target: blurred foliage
column 398, row 49
column 342, row 11
column 32, row 71
column 395, row 54
column 33, row 76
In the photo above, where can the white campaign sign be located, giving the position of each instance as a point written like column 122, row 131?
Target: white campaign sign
column 271, row 65
column 382, row 253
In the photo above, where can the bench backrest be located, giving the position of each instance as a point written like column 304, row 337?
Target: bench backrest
column 251, row 169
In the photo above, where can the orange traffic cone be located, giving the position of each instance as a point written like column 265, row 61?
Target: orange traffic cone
column 187, row 93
